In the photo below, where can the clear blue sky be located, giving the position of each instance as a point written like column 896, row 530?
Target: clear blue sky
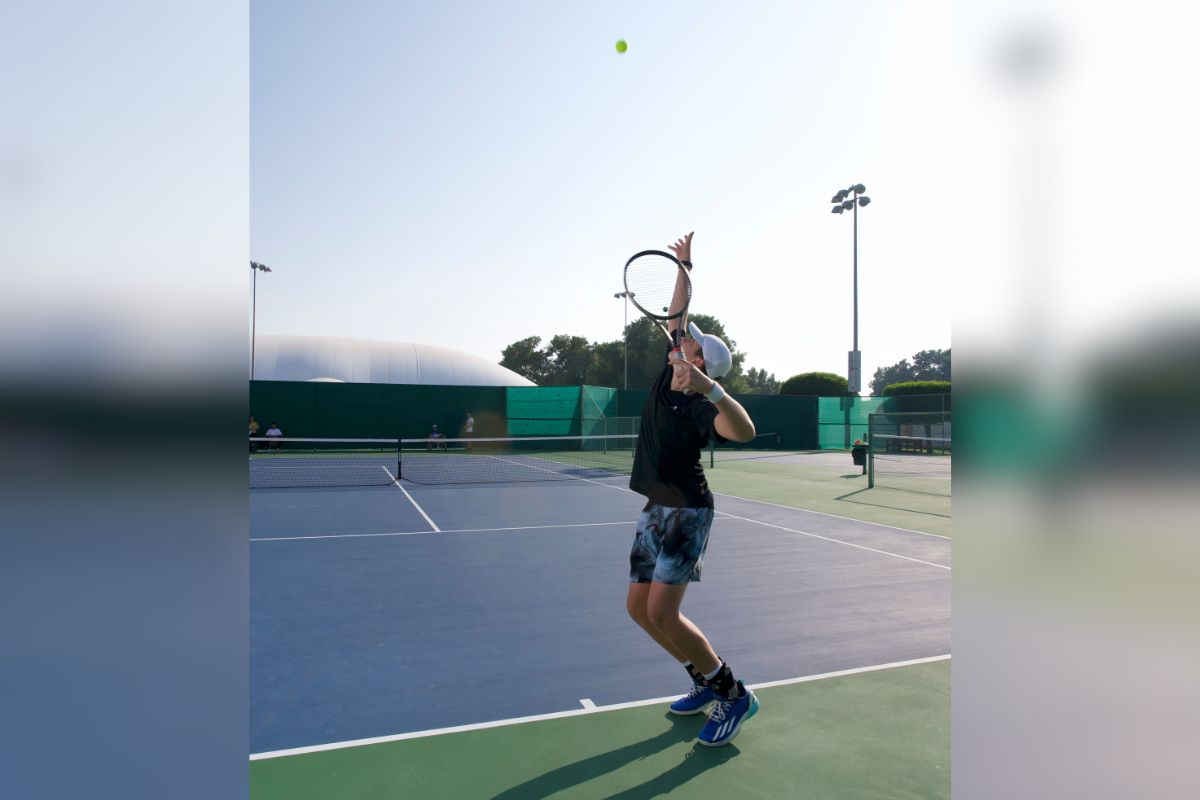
column 469, row 174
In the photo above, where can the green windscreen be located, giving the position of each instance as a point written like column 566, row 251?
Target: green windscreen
column 596, row 405
column 543, row 410
column 348, row 410
column 842, row 420
column 793, row 418
column 366, row 410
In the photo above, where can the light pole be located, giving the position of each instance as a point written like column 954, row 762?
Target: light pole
column 256, row 268
column 842, row 204
column 625, row 332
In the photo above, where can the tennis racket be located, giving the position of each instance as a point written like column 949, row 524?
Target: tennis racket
column 659, row 286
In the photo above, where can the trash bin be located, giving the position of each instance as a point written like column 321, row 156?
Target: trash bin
column 859, row 454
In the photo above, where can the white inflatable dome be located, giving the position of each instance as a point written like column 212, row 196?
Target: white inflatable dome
column 331, row 359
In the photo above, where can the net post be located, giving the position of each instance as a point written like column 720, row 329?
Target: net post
column 870, row 451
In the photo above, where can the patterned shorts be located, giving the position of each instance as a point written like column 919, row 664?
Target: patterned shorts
column 669, row 544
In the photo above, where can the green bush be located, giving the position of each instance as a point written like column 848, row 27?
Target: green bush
column 917, row 387
column 821, row 384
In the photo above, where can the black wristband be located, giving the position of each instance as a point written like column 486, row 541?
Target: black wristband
column 687, row 264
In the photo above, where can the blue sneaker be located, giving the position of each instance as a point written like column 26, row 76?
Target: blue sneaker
column 727, row 717
column 694, row 701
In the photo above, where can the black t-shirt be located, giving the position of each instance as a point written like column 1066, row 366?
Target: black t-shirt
column 666, row 464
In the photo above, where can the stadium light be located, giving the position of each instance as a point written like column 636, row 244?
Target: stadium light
column 625, row 331
column 842, row 204
column 256, row 268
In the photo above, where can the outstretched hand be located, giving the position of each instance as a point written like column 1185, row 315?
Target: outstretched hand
column 683, row 248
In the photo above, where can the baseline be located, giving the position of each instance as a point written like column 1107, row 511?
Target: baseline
column 577, row 712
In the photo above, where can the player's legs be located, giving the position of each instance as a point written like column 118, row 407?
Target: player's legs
column 635, row 604
column 662, row 610
column 667, row 554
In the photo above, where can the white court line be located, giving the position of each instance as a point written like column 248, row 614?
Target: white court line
column 836, row 516
column 830, row 539
column 572, row 477
column 577, row 712
column 426, row 533
column 588, row 704
column 855, row 671
column 396, row 483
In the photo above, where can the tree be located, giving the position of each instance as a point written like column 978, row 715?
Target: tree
column 648, row 349
column 569, row 358
column 928, row 365
column 822, row 384
column 759, row 382
column 931, row 365
column 917, row 387
column 526, row 359
column 608, row 365
column 885, row 376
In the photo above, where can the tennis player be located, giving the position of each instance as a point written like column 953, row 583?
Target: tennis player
column 686, row 409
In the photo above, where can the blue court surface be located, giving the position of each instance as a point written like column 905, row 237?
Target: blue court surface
column 400, row 609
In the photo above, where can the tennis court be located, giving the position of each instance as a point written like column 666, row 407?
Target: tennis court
column 447, row 639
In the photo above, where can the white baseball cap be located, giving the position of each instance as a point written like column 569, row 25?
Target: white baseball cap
column 717, row 358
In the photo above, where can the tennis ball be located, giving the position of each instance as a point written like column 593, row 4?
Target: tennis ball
column 622, row 46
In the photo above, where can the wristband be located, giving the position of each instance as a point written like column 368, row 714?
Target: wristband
column 717, row 394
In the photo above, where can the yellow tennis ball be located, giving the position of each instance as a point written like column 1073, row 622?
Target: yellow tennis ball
column 622, row 46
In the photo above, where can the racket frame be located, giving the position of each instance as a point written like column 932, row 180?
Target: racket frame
column 660, row 319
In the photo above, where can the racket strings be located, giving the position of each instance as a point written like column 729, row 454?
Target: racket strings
column 650, row 280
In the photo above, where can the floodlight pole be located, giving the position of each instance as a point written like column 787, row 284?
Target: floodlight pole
column 625, row 332
column 256, row 268
column 840, row 205
column 856, row 280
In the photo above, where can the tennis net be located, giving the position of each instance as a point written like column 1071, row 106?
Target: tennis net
column 283, row 463
column 763, row 445
column 913, row 463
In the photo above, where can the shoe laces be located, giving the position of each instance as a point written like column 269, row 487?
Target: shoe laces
column 696, row 690
column 720, row 709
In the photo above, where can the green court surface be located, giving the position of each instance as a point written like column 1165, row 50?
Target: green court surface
column 880, row 734
column 790, row 481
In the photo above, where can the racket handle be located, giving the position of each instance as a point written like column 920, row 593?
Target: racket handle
column 677, row 354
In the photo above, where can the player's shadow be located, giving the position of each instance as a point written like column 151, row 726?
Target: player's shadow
column 696, row 761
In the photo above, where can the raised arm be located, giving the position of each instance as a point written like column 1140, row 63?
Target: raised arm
column 683, row 251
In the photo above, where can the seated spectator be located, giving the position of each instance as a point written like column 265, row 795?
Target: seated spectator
column 436, row 440
column 273, row 432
